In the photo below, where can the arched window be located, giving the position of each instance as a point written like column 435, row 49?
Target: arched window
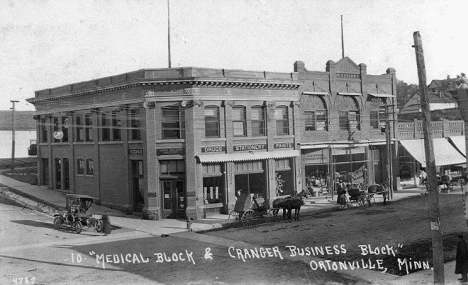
column 89, row 166
column 315, row 113
column 349, row 116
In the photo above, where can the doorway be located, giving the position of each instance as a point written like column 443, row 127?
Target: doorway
column 137, row 185
column 174, row 203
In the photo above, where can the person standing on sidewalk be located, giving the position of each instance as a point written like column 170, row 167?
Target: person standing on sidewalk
column 461, row 265
column 106, row 225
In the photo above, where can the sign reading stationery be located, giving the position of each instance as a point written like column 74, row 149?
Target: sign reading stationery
column 249, row 147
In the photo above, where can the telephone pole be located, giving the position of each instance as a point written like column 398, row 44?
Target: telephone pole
column 434, row 211
column 13, row 135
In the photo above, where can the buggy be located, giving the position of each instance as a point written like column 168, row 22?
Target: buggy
column 76, row 216
column 248, row 211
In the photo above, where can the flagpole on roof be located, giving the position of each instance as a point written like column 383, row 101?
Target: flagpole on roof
column 342, row 38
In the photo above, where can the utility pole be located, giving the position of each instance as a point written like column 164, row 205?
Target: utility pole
column 13, row 135
column 388, row 144
column 434, row 212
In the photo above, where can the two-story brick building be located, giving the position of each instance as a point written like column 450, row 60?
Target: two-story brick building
column 183, row 141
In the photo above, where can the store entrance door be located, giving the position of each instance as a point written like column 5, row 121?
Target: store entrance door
column 174, row 203
column 137, row 185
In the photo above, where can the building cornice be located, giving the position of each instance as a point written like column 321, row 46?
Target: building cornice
column 179, row 83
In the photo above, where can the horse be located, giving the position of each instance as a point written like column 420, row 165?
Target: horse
column 378, row 189
column 288, row 204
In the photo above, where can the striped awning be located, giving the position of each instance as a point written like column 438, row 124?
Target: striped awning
column 206, row 158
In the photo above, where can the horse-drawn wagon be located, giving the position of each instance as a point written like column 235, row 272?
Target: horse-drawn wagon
column 248, row 211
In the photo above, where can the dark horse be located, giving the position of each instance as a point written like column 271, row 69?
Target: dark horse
column 288, row 204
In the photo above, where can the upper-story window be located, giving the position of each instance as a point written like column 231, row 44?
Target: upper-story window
column 349, row 116
column 79, row 128
column 239, row 124
column 258, row 121
column 377, row 119
column 315, row 113
column 88, row 127
column 316, row 120
column 282, row 120
column 116, row 126
column 349, row 120
column 173, row 124
column 105, row 127
column 135, row 124
column 44, row 132
column 212, row 122
column 61, row 125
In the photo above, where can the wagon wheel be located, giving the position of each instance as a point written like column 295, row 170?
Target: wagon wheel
column 99, row 226
column 57, row 222
column 247, row 218
column 233, row 216
column 78, row 227
column 269, row 215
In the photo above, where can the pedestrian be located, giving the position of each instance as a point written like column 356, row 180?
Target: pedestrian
column 461, row 265
column 106, row 225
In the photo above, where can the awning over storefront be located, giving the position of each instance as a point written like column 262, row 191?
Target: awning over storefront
column 343, row 145
column 315, row 93
column 204, row 158
column 459, row 142
column 444, row 152
column 349, row 94
column 382, row 95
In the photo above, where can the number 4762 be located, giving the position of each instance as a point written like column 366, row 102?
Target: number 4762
column 25, row 280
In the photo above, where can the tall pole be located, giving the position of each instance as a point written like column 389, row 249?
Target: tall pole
column 13, row 135
column 342, row 38
column 169, row 33
column 434, row 212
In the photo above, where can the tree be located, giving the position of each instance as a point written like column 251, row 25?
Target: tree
column 404, row 92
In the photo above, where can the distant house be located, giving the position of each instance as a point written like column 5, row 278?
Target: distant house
column 25, row 132
column 439, row 98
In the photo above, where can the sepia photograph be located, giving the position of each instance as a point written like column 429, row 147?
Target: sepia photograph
column 233, row 142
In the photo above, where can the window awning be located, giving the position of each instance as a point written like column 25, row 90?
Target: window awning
column 382, row 95
column 349, row 94
column 444, row 152
column 459, row 143
column 315, row 93
column 204, row 158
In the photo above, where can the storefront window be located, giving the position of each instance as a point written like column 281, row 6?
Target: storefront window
column 284, row 177
column 239, row 122
column 212, row 121
column 250, row 178
column 258, row 121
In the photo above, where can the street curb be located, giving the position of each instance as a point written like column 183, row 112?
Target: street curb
column 29, row 201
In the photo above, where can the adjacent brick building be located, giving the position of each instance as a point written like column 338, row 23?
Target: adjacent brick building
column 184, row 141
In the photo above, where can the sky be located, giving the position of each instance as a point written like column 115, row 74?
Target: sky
column 50, row 43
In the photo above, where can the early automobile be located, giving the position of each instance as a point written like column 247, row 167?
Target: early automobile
column 76, row 215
